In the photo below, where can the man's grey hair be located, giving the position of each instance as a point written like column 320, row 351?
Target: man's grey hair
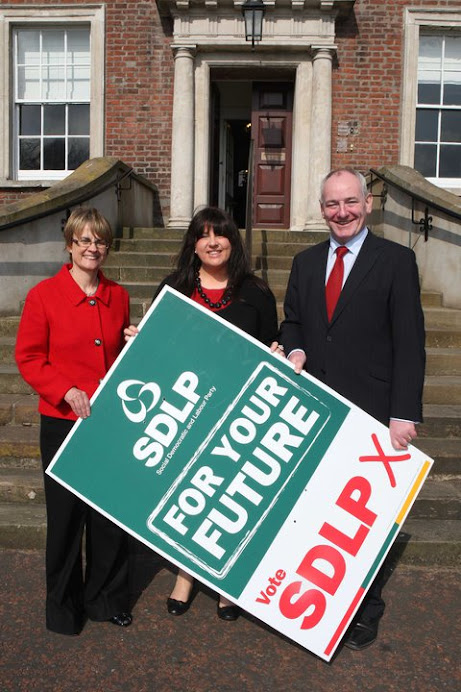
column 359, row 176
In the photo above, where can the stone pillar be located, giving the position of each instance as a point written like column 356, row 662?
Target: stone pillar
column 320, row 133
column 300, row 147
column 202, row 133
column 182, row 147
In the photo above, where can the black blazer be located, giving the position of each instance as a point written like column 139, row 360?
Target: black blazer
column 253, row 309
column 372, row 352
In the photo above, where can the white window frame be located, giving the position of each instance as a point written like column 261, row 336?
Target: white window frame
column 29, row 16
column 443, row 21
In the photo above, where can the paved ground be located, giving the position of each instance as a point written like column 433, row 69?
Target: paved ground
column 418, row 648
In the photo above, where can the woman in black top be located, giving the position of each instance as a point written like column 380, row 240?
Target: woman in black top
column 213, row 269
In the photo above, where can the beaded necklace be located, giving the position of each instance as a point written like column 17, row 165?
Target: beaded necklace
column 220, row 303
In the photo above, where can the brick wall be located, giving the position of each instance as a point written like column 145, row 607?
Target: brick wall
column 367, row 81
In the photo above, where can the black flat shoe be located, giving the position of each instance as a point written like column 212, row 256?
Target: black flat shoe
column 175, row 607
column 361, row 635
column 122, row 619
column 230, row 612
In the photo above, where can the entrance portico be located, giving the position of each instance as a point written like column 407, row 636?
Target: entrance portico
column 298, row 37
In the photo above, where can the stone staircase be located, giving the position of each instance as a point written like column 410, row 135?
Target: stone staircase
column 139, row 260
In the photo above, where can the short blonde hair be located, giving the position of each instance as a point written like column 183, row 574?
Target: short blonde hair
column 79, row 218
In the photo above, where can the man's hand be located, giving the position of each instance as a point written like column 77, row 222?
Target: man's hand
column 298, row 358
column 79, row 402
column 402, row 433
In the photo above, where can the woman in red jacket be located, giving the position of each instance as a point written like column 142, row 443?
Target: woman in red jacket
column 71, row 331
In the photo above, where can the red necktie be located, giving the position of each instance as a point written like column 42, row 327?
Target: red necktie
column 335, row 282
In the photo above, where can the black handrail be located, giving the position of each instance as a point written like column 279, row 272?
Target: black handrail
column 415, row 195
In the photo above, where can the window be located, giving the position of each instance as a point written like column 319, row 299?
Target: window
column 438, row 110
column 52, row 98
column 430, row 132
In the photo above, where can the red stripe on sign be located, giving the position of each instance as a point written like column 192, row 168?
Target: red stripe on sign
column 344, row 621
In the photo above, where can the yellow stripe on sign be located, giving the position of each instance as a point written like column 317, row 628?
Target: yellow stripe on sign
column 416, row 486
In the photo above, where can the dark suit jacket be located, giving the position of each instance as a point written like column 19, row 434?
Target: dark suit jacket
column 372, row 352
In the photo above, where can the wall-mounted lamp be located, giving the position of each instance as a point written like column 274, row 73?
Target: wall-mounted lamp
column 253, row 13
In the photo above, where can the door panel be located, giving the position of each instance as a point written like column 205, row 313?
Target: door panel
column 272, row 133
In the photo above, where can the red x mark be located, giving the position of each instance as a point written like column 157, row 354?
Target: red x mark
column 386, row 460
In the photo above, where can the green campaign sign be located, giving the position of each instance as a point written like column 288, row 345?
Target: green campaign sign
column 209, row 449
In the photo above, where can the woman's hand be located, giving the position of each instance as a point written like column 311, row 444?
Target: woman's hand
column 130, row 332
column 278, row 348
column 79, row 402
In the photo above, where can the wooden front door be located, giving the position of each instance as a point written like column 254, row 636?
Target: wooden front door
column 271, row 125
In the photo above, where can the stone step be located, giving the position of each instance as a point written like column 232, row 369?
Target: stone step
column 7, row 349
column 147, row 245
column 421, row 542
column 141, row 232
column 443, row 361
column 9, row 326
column 11, row 381
column 22, row 485
column 148, row 275
column 440, row 498
column 446, row 453
column 19, row 409
column 19, row 447
column 22, row 527
column 257, row 234
column 440, row 420
column 443, row 337
column 442, row 389
column 140, row 259
column 442, row 317
column 430, row 542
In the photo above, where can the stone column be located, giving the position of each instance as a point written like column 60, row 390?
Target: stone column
column 300, row 146
column 320, row 134
column 202, row 133
column 182, row 147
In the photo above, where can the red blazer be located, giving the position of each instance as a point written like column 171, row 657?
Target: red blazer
column 68, row 339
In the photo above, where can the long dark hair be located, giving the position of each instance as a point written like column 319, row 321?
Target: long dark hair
column 188, row 263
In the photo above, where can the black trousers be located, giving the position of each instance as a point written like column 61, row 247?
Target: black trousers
column 72, row 594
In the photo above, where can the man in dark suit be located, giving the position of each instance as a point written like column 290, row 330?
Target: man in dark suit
column 369, row 345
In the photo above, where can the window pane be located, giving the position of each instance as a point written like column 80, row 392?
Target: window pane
column 450, row 161
column 78, row 84
column 29, row 120
column 54, row 120
column 54, row 154
column 430, row 52
column 78, row 46
column 79, row 151
column 429, row 92
column 425, row 159
column 53, row 47
column 79, row 119
column 29, row 154
column 28, row 47
column 28, row 83
column 450, row 126
column 453, row 53
column 53, row 88
column 452, row 89
column 426, row 125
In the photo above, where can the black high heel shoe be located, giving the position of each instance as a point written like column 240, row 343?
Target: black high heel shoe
column 175, row 607
column 229, row 613
column 122, row 619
